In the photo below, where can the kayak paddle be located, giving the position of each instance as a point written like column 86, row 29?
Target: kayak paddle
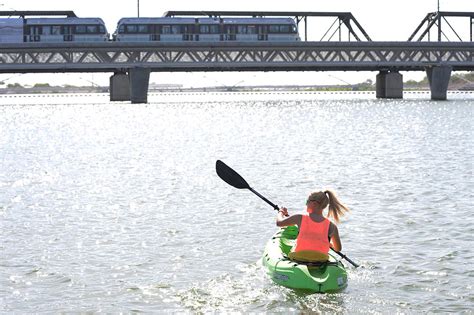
column 233, row 178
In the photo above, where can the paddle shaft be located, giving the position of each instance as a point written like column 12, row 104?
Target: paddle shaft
column 264, row 199
column 345, row 257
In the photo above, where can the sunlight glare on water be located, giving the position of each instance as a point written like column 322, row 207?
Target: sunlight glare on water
column 114, row 207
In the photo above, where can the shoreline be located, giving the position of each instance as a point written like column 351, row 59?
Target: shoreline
column 246, row 89
column 209, row 92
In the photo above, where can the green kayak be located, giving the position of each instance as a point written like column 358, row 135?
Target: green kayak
column 325, row 277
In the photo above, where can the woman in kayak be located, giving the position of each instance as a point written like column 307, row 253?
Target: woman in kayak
column 316, row 233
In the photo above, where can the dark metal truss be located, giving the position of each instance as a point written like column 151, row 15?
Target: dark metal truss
column 38, row 13
column 301, row 56
column 437, row 20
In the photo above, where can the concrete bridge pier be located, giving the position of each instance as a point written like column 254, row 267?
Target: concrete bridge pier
column 439, row 76
column 119, row 87
column 389, row 85
column 139, row 79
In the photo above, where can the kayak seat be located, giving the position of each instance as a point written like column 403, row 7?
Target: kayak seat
column 308, row 256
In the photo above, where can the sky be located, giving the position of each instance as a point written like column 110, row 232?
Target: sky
column 383, row 20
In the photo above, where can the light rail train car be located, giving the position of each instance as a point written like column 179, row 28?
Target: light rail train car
column 178, row 29
column 65, row 30
column 11, row 30
column 154, row 29
column 70, row 29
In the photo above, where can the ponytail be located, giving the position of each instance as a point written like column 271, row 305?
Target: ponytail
column 328, row 197
column 336, row 208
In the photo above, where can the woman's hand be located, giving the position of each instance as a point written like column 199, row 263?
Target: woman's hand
column 283, row 211
column 284, row 219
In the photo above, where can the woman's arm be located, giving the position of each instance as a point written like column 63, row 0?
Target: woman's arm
column 335, row 240
column 283, row 219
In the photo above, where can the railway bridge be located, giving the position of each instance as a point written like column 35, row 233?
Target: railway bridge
column 131, row 63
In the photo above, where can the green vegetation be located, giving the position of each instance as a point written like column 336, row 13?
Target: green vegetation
column 333, row 88
column 464, row 77
column 457, row 81
column 367, row 85
column 14, row 86
column 40, row 85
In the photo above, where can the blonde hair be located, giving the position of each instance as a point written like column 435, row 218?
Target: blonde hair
column 328, row 197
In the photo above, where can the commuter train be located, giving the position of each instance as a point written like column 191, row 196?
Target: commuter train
column 71, row 29
column 164, row 29
column 176, row 29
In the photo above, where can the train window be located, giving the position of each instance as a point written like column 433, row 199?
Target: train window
column 46, row 30
column 101, row 29
column 35, row 30
column 242, row 29
column 251, row 29
column 121, row 29
column 67, row 29
column 274, row 29
column 131, row 29
column 175, row 29
column 230, row 29
column 166, row 29
column 294, row 29
column 186, row 29
column 284, row 29
column 208, row 29
column 214, row 29
column 80, row 29
column 91, row 29
column 56, row 30
column 142, row 29
column 204, row 29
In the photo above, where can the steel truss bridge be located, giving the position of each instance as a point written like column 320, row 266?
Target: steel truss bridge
column 132, row 63
column 196, row 56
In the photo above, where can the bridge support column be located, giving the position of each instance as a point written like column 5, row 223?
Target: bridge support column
column 139, row 79
column 119, row 87
column 439, row 76
column 389, row 85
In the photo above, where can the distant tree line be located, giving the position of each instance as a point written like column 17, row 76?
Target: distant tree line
column 456, row 80
column 367, row 85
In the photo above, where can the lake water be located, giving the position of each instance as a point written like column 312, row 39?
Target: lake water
column 117, row 208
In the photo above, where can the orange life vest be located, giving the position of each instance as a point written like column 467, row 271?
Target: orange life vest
column 313, row 236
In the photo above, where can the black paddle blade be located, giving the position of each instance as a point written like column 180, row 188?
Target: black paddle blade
column 230, row 176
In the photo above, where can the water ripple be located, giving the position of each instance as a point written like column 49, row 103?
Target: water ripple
column 116, row 208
